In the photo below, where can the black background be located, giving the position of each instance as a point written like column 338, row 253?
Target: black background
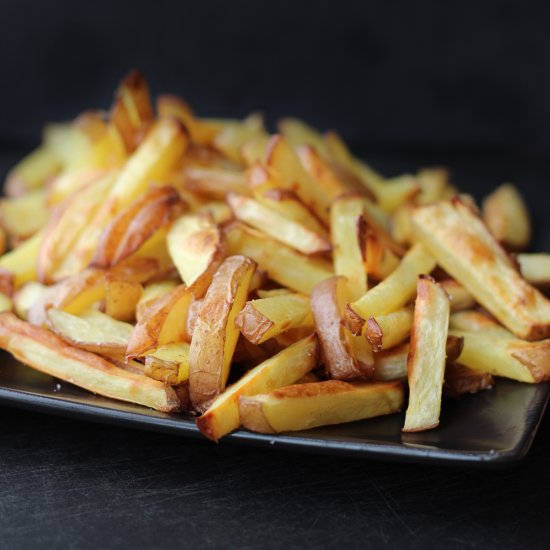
column 466, row 84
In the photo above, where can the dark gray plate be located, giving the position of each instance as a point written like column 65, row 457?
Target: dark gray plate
column 493, row 428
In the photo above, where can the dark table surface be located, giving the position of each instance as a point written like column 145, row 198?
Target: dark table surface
column 70, row 484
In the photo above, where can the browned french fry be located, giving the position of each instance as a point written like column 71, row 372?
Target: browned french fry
column 460, row 380
column 379, row 260
column 305, row 406
column 215, row 335
column 387, row 331
column 507, row 217
column 46, row 352
column 327, row 302
column 463, row 246
column 426, row 361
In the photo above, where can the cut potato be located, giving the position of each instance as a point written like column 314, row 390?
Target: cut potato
column 47, row 352
column 122, row 298
column 214, row 182
column 283, row 369
column 327, row 302
column 391, row 364
column 197, row 249
column 169, row 363
column 22, row 261
column 297, row 133
column 23, row 216
column 460, row 298
column 276, row 225
column 386, row 331
column 150, row 293
column 266, row 318
column 463, row 246
column 475, row 321
column 427, row 354
column 460, row 380
column 305, row 406
column 6, row 303
column 379, row 259
column 231, row 139
column 506, row 215
column 535, row 268
column 393, row 292
column 282, row 264
column 91, row 330
column 215, row 335
column 26, row 297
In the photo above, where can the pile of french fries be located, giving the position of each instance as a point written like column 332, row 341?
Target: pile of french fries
column 274, row 282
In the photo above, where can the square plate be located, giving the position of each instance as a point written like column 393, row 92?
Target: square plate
column 492, row 428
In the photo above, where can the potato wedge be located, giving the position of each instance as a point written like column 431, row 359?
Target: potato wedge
column 48, row 353
column 535, row 268
column 345, row 216
column 22, row 261
column 283, row 369
column 169, row 363
column 327, row 302
column 507, row 217
column 161, row 322
column 395, row 291
column 197, row 248
column 277, row 226
column 426, row 361
column 265, row 318
column 282, row 264
column 91, row 330
column 121, row 298
column 463, row 246
column 387, row 331
column 305, row 406
column 460, row 380
column 23, row 216
column 215, row 335
column 150, row 293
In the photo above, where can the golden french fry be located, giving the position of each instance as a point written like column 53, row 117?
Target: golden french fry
column 463, row 246
column 277, row 226
column 23, row 216
column 282, row 264
column 460, row 298
column 215, row 182
column 297, row 133
column 387, row 331
column 285, row 368
column 150, row 293
column 507, row 217
column 47, row 352
column 305, row 406
column 215, row 335
column 426, row 361
column 460, row 380
column 265, row 318
column 535, row 268
column 476, row 321
column 434, row 183
column 231, row 139
column 22, row 261
column 6, row 303
column 169, row 363
column 379, row 259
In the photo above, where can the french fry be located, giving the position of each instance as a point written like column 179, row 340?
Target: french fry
column 305, row 406
column 6, row 303
column 460, row 380
column 255, row 149
column 434, row 183
column 23, row 216
column 46, row 352
column 379, row 260
column 500, row 355
column 265, row 318
column 231, row 139
column 25, row 298
column 219, row 211
column 22, row 261
column 169, row 363
column 426, row 360
column 121, row 298
column 298, row 133
column 197, row 248
column 273, row 292
column 275, row 225
column 282, row 264
column 150, row 293
column 283, row 369
column 462, row 245
column 387, row 331
column 535, row 268
column 393, row 292
column 215, row 182
column 162, row 321
column 92, row 331
column 506, row 215
column 327, row 303
column 460, row 298
column 215, row 335
column 345, row 214
column 476, row 321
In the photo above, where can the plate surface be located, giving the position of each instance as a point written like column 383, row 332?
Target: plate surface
column 493, row 428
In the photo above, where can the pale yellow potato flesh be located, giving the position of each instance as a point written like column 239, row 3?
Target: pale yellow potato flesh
column 460, row 297
column 23, row 216
column 305, row 406
column 386, row 331
column 169, row 363
column 535, row 268
column 22, row 261
column 427, row 354
column 283, row 369
column 214, row 182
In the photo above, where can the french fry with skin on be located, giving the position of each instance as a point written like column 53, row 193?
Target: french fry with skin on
column 426, row 360
column 305, row 406
column 169, row 363
column 282, row 264
column 48, row 353
column 393, row 292
column 283, row 369
column 463, row 246
column 215, row 335
column 387, row 331
column 460, row 380
column 266, row 318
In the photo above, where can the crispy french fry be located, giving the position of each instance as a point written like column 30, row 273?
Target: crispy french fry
column 426, row 361
column 506, row 215
column 282, row 264
column 345, row 215
column 91, row 330
column 393, row 292
column 215, row 182
column 285, row 368
column 327, row 303
column 169, row 363
column 297, row 133
column 265, row 318
column 305, row 406
column 276, row 225
column 460, row 380
column 379, row 260
column 462, row 245
column 535, row 268
column 460, row 298
column 387, row 331
column 231, row 139
column 197, row 248
column 46, row 352
column 215, row 335
column 23, row 216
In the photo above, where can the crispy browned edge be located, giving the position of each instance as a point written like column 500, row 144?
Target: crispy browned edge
column 252, row 324
column 460, row 380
